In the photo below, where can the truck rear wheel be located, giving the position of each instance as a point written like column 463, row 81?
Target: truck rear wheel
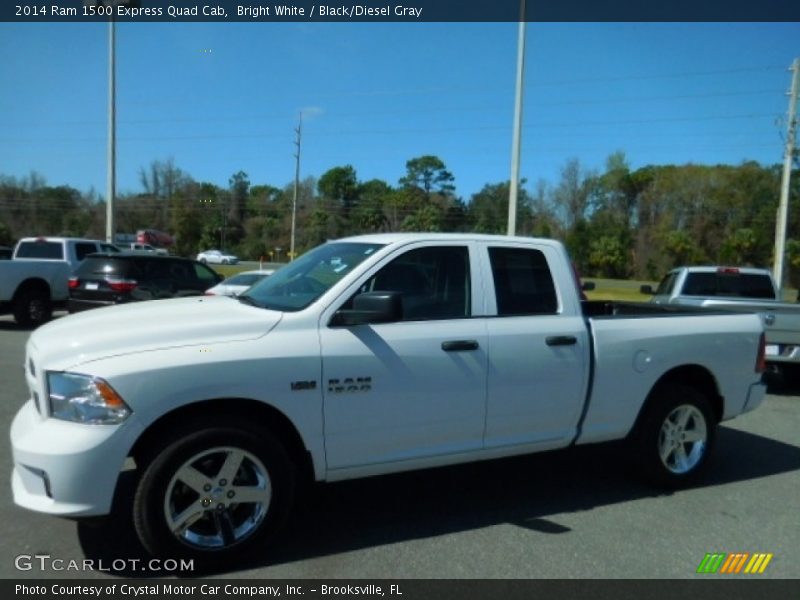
column 675, row 435
column 214, row 494
column 32, row 307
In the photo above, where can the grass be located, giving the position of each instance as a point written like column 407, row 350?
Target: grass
column 618, row 289
column 230, row 270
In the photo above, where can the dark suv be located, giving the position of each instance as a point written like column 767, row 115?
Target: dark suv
column 106, row 279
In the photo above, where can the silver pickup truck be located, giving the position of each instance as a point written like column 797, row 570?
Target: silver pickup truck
column 739, row 289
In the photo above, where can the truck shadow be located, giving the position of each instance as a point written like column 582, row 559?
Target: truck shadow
column 524, row 491
column 783, row 383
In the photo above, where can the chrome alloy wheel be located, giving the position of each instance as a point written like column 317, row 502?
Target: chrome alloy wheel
column 217, row 498
column 682, row 439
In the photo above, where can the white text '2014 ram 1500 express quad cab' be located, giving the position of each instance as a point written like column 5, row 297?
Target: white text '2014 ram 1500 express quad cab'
column 365, row 356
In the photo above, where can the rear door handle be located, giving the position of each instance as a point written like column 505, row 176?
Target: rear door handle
column 459, row 345
column 561, row 340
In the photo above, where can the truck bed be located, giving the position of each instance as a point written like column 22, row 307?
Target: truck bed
column 607, row 308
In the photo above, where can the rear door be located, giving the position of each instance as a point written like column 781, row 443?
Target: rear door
column 538, row 354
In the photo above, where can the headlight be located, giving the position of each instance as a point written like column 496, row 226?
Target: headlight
column 84, row 399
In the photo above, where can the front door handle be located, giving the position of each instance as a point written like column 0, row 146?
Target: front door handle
column 459, row 345
column 561, row 340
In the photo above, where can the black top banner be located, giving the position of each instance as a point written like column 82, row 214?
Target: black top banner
column 381, row 11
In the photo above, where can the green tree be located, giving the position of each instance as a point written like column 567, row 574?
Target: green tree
column 370, row 213
column 6, row 237
column 340, row 185
column 488, row 210
column 741, row 248
column 608, row 257
column 428, row 174
column 239, row 185
column 681, row 248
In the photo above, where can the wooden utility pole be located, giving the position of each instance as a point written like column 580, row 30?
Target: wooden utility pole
column 513, row 189
column 298, row 131
column 111, row 183
column 783, row 206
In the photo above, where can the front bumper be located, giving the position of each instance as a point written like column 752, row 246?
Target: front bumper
column 67, row 469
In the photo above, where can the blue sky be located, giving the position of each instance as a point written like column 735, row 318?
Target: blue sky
column 222, row 97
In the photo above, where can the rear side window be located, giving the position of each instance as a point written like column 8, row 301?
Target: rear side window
column 737, row 285
column 41, row 249
column 522, row 282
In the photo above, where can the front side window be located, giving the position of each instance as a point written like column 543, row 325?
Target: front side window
column 434, row 282
column 522, row 282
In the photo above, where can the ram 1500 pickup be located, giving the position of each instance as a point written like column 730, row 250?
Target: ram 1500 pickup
column 365, row 356
column 29, row 289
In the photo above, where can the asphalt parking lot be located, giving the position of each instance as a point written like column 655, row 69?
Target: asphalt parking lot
column 569, row 514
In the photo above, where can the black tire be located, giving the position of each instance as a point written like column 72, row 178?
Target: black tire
column 675, row 436
column 217, row 529
column 203, row 260
column 32, row 307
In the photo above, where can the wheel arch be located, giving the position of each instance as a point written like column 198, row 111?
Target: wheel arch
column 32, row 283
column 249, row 411
column 695, row 376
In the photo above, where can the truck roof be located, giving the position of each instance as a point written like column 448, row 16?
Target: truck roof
column 400, row 238
column 47, row 238
column 724, row 269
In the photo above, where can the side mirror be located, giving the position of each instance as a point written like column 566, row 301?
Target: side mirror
column 371, row 307
column 588, row 286
column 646, row 290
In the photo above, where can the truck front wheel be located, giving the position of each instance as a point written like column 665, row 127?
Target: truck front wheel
column 675, row 436
column 214, row 494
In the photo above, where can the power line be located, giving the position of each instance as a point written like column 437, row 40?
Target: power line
column 405, row 131
column 433, row 110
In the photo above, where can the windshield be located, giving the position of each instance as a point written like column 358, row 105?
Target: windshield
column 302, row 281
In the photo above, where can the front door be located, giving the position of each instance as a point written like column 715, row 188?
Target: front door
column 414, row 388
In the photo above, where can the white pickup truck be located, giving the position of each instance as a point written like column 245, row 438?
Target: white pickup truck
column 37, row 278
column 30, row 289
column 367, row 355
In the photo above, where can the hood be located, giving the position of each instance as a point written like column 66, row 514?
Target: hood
column 151, row 325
